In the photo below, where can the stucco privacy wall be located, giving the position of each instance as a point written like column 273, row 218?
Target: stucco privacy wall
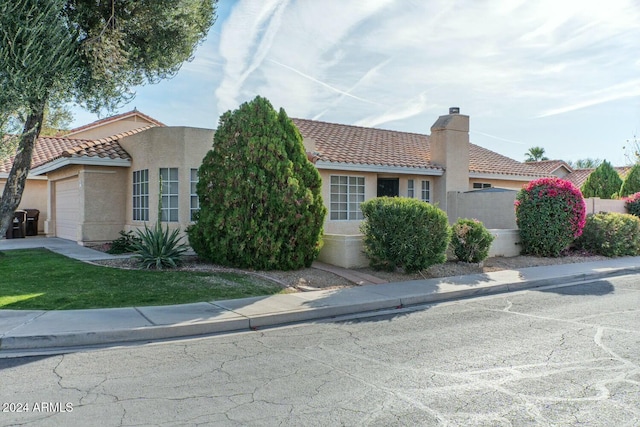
column 494, row 208
column 34, row 196
column 596, row 204
column 165, row 147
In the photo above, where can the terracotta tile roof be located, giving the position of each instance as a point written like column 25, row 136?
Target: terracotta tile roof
column 482, row 160
column 579, row 176
column 115, row 118
column 550, row 166
column 353, row 144
column 47, row 149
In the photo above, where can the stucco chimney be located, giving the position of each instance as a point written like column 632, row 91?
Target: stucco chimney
column 449, row 146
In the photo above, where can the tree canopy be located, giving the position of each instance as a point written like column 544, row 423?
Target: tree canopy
column 535, row 154
column 603, row 182
column 88, row 51
column 631, row 183
column 260, row 197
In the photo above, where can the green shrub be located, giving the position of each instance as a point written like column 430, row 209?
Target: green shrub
column 404, row 232
column 124, row 243
column 550, row 213
column 631, row 182
column 260, row 197
column 158, row 247
column 632, row 203
column 470, row 240
column 611, row 234
column 603, row 182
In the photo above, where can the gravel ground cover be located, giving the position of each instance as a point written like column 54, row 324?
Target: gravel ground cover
column 312, row 278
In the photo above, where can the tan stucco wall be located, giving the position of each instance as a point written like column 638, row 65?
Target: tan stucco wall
column 352, row 227
column 165, row 147
column 498, row 183
column 449, row 143
column 103, row 193
column 493, row 209
column 34, row 196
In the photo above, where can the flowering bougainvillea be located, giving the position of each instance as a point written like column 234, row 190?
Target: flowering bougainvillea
column 551, row 214
column 632, row 203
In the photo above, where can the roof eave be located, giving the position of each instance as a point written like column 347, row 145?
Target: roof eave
column 360, row 167
column 84, row 160
column 509, row 177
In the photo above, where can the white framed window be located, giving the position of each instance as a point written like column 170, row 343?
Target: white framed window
column 195, row 202
column 141, row 195
column 169, row 194
column 347, row 193
column 425, row 194
column 477, row 185
column 411, row 192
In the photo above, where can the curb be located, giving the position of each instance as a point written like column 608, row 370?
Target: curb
column 377, row 301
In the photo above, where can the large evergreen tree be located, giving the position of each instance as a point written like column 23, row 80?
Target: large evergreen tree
column 603, row 182
column 631, row 183
column 260, row 198
column 88, row 51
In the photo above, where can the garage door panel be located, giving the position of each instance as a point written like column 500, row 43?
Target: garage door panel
column 67, row 208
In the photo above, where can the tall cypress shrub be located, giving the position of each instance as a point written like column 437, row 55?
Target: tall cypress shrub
column 603, row 182
column 631, row 184
column 260, row 202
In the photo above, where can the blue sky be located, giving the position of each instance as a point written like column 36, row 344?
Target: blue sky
column 563, row 75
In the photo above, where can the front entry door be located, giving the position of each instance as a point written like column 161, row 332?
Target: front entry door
column 389, row 187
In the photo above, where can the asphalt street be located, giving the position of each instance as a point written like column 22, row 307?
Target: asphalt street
column 561, row 356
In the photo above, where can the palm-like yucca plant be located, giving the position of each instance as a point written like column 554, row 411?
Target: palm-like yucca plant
column 158, row 247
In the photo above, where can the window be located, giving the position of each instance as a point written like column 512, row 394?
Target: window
column 195, row 203
column 410, row 189
column 169, row 194
column 347, row 193
column 141, row 195
column 477, row 185
column 425, row 196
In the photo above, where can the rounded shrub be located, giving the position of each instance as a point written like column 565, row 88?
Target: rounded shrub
column 550, row 213
column 470, row 240
column 611, row 234
column 260, row 197
column 404, row 232
column 632, row 203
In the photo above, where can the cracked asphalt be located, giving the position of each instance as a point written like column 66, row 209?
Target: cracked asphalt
column 561, row 356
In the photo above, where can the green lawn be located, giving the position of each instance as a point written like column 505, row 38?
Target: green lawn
column 40, row 279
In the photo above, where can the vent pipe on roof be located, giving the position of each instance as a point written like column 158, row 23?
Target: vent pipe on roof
column 454, row 110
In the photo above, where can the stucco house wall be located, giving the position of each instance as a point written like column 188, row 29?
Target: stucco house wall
column 33, row 197
column 165, row 147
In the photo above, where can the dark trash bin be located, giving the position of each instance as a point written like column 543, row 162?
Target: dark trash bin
column 32, row 222
column 17, row 228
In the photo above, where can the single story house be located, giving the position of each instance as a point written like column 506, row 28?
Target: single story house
column 104, row 177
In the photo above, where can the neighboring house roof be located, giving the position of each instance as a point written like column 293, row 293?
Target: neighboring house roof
column 346, row 144
column 486, row 162
column 579, row 176
column 107, row 120
column 551, row 166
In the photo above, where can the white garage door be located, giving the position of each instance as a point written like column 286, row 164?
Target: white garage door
column 67, row 208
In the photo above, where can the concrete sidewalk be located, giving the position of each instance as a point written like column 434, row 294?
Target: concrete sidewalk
column 40, row 330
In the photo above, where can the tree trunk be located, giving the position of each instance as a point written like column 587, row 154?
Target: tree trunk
column 14, row 187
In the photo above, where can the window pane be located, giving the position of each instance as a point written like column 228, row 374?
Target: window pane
column 173, row 174
column 174, row 215
column 173, row 188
